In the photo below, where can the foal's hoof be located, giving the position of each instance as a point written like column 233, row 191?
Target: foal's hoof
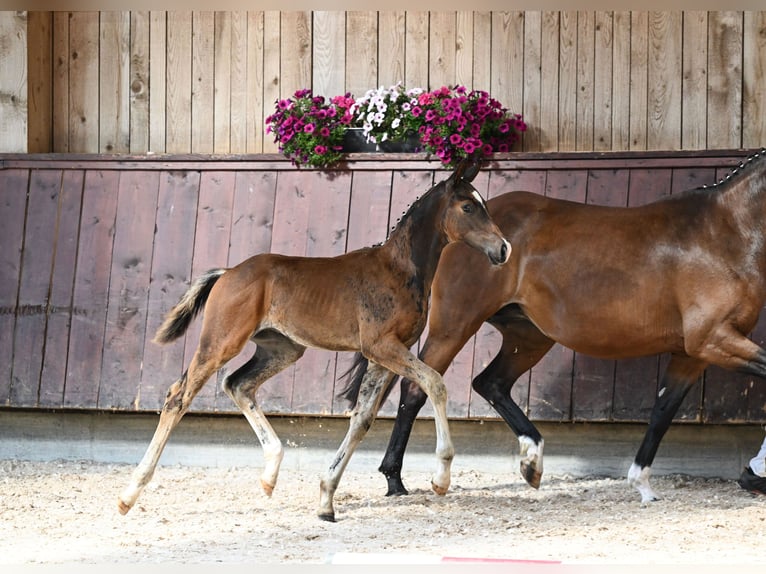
column 396, row 488
column 267, row 488
column 327, row 516
column 122, row 507
column 440, row 490
column 531, row 474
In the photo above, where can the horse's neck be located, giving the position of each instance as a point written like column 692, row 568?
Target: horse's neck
column 417, row 242
column 744, row 195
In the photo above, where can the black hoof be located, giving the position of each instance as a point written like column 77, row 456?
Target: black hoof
column 531, row 475
column 396, row 488
column 327, row 517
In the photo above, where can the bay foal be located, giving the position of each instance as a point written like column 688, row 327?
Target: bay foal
column 685, row 275
column 372, row 300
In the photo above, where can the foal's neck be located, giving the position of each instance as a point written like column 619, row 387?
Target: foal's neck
column 418, row 240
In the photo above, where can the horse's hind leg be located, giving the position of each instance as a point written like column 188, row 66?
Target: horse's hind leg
column 370, row 395
column 523, row 346
column 681, row 374
column 177, row 402
column 272, row 355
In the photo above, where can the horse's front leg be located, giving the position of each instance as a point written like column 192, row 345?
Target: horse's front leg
column 370, row 396
column 681, row 374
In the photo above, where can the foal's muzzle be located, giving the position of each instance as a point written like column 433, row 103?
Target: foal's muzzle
column 501, row 255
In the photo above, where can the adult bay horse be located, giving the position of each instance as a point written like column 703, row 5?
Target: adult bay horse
column 372, row 300
column 684, row 275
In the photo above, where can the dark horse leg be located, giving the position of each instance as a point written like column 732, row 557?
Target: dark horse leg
column 681, row 374
column 523, row 346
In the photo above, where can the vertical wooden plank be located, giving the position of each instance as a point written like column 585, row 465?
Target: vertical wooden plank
column 415, row 45
column 391, row 45
column 508, row 59
column 124, row 338
column 639, row 77
column 203, row 82
column 178, row 118
column 329, row 53
column 315, row 372
column 635, row 384
column 55, row 360
column 89, row 300
column 724, row 113
column 171, row 274
column 114, row 82
column 253, row 215
column 361, row 56
column 34, row 286
column 593, row 380
column 549, row 83
column 754, row 80
column 295, row 52
column 482, row 51
column 441, row 47
column 60, row 112
column 603, row 82
column 367, row 226
column 13, row 205
column 40, row 81
column 694, row 85
column 586, row 48
column 139, row 81
column 222, row 83
column 272, row 75
column 14, row 107
column 83, row 77
column 621, row 82
column 665, row 76
column 532, row 80
column 238, row 115
column 464, row 44
column 567, row 81
column 211, row 250
column 159, row 52
column 256, row 103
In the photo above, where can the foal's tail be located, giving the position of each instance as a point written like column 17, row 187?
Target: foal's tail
column 354, row 375
column 180, row 317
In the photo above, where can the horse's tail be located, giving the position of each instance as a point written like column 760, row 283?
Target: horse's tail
column 180, row 317
column 354, row 375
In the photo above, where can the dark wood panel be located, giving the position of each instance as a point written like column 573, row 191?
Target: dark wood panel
column 34, row 287
column 13, row 203
column 91, row 288
column 175, row 222
column 128, row 290
column 55, row 360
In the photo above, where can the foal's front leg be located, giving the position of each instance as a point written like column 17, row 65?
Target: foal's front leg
column 370, row 396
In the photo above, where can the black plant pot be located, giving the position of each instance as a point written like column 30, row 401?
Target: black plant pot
column 354, row 141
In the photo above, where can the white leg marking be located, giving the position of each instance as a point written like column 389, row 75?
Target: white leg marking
column 638, row 478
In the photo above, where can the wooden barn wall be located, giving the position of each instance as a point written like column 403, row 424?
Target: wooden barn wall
column 203, row 82
column 96, row 249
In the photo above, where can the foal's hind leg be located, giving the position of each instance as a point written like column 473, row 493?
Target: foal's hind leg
column 681, row 374
column 370, row 395
column 274, row 353
column 177, row 402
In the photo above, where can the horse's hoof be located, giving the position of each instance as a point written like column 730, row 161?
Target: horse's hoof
column 440, row 490
column 327, row 516
column 267, row 488
column 531, row 475
column 122, row 507
column 396, row 488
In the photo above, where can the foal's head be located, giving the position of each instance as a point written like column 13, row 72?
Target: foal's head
column 466, row 217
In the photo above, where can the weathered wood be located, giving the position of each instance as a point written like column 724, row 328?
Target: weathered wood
column 140, row 37
column 40, row 82
column 548, row 125
column 664, row 80
column 13, row 206
column 203, row 83
column 14, row 105
column 239, row 95
column 34, row 286
column 532, row 80
column 441, row 47
column 329, row 53
column 695, row 63
column 416, row 42
column 178, row 120
column 724, row 95
column 603, row 81
column 754, row 80
column 222, row 83
column 114, row 48
column 391, row 48
column 586, row 38
column 639, row 77
column 621, row 67
column 83, row 115
column 55, row 361
column 361, row 54
column 567, row 73
column 159, row 52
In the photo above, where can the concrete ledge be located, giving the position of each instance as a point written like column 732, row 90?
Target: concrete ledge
column 575, row 449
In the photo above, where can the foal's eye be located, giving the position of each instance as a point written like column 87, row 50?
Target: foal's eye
column 468, row 208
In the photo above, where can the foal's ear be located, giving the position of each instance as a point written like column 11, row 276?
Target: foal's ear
column 467, row 169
